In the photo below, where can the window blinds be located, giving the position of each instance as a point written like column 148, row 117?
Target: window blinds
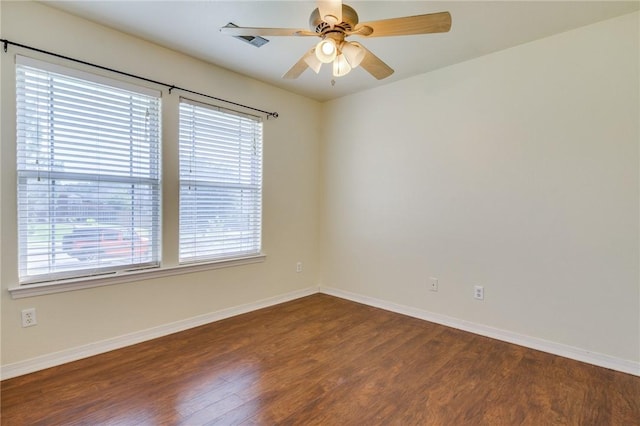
column 88, row 163
column 220, row 183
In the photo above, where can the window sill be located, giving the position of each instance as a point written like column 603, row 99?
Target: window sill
column 30, row 290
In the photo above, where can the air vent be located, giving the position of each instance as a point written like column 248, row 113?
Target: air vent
column 256, row 41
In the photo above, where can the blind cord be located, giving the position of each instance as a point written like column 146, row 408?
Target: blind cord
column 170, row 86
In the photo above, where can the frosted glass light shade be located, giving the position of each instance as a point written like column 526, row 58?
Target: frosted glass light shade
column 340, row 66
column 313, row 63
column 353, row 53
column 326, row 51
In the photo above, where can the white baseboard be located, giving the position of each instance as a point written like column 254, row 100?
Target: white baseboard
column 554, row 348
column 57, row 358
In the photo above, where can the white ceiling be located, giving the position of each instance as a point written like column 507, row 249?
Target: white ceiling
column 479, row 28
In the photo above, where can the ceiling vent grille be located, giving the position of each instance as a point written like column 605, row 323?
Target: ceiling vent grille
column 256, row 41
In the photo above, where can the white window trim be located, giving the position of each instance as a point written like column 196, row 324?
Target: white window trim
column 118, row 84
column 26, row 290
column 31, row 290
column 256, row 119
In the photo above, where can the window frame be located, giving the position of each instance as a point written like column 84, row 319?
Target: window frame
column 198, row 139
column 168, row 265
column 26, row 171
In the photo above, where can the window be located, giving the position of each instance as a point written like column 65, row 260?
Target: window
column 220, row 183
column 88, row 164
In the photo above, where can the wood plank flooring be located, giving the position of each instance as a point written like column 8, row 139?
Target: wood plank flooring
column 321, row 360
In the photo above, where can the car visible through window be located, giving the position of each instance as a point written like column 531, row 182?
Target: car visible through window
column 93, row 242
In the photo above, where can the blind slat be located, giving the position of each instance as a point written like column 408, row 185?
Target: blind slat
column 220, row 183
column 88, row 162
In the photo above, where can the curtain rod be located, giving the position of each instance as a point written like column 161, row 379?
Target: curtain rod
column 170, row 86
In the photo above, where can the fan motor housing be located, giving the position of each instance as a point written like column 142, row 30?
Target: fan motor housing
column 349, row 20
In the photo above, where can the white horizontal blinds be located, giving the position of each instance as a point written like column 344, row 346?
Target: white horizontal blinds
column 88, row 161
column 220, row 183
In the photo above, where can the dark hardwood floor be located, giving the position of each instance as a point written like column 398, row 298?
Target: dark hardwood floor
column 321, row 360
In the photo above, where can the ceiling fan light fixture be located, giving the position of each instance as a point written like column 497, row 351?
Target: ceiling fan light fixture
column 313, row 63
column 326, row 50
column 354, row 53
column 331, row 20
column 341, row 66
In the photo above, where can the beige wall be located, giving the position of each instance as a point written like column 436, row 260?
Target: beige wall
column 291, row 179
column 517, row 171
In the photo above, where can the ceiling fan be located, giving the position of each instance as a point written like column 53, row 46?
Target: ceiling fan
column 333, row 22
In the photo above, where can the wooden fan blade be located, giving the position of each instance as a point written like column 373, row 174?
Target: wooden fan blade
column 299, row 67
column 330, row 8
column 374, row 65
column 408, row 25
column 249, row 31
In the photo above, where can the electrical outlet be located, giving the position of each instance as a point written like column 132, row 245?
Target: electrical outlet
column 478, row 292
column 299, row 267
column 29, row 317
column 434, row 284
